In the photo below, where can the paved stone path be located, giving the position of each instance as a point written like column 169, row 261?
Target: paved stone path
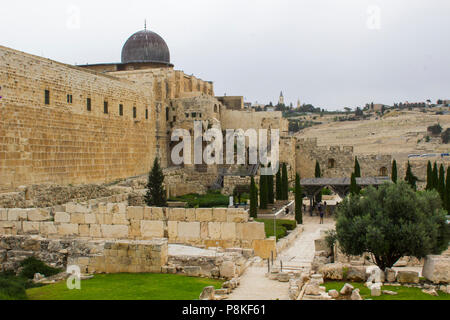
column 255, row 286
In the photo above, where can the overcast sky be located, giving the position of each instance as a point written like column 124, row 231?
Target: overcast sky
column 330, row 53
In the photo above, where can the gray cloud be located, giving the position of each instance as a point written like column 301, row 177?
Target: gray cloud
column 320, row 51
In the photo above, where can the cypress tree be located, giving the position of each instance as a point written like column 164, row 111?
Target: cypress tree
column 447, row 192
column 284, row 183
column 435, row 176
column 271, row 196
column 357, row 168
column 156, row 194
column 410, row 177
column 317, row 172
column 441, row 183
column 263, row 192
column 354, row 189
column 253, row 199
column 298, row 200
column 279, row 193
column 429, row 176
column 394, row 171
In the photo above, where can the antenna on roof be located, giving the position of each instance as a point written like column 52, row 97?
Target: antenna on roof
column 145, row 24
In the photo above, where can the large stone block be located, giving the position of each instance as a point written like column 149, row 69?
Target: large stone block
column 62, row 217
column 95, row 231
column 135, row 213
column 437, row 269
column 176, row 214
column 203, row 214
column 90, row 218
column 172, row 227
column 114, row 231
column 30, row 227
column 214, row 230
column 17, row 215
column 407, row 277
column 3, row 214
column 190, row 215
column 332, row 271
column 83, row 230
column 236, row 215
column 152, row 229
column 38, row 215
column 157, row 213
column 68, row 229
column 77, row 218
column 227, row 270
column 251, row 231
column 72, row 207
column 48, row 228
column 219, row 215
column 228, row 230
column 189, row 230
column 265, row 248
column 120, row 218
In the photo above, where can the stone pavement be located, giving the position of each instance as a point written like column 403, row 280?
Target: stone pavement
column 255, row 286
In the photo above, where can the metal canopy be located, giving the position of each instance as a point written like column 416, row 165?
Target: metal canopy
column 341, row 186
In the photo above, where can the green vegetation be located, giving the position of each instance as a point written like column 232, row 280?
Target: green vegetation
column 127, row 286
column 13, row 287
column 410, row 178
column 318, row 174
column 357, row 170
column 156, row 195
column 31, row 265
column 404, row 293
column 253, row 199
column 354, row 188
column 284, row 183
column 282, row 227
column 213, row 199
column 263, row 192
column 394, row 171
column 298, row 200
column 279, row 193
column 391, row 222
column 271, row 195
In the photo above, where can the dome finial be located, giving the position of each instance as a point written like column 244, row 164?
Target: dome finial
column 145, row 24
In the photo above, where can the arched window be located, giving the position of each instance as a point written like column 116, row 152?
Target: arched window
column 167, row 114
column 331, row 163
column 383, row 172
column 215, row 108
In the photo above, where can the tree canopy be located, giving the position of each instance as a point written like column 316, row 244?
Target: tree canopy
column 391, row 222
column 156, row 194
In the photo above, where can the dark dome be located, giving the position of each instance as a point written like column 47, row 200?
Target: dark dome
column 145, row 46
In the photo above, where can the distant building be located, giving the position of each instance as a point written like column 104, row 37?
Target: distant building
column 281, row 99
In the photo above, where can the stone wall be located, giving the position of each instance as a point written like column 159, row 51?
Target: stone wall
column 211, row 227
column 63, row 142
column 92, row 256
column 338, row 161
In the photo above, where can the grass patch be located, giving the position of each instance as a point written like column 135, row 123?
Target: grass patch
column 404, row 293
column 209, row 200
column 282, row 227
column 126, row 286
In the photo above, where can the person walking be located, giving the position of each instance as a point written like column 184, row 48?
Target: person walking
column 321, row 213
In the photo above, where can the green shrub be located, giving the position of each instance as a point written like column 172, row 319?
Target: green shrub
column 11, row 288
column 32, row 265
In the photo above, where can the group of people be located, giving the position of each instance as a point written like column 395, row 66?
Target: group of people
column 319, row 207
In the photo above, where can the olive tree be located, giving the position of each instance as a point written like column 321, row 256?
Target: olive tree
column 391, row 222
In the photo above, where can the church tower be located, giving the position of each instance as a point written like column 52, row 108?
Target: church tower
column 281, row 100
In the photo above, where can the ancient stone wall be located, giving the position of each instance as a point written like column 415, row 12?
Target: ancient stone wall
column 210, row 227
column 337, row 161
column 92, row 256
column 62, row 142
